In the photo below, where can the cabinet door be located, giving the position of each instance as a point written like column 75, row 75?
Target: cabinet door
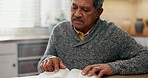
column 8, row 66
column 8, row 48
column 146, row 41
column 140, row 40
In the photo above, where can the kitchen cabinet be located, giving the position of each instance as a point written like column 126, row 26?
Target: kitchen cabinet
column 29, row 54
column 8, row 60
column 20, row 57
column 8, row 66
column 146, row 42
column 142, row 40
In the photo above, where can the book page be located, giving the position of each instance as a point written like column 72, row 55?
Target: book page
column 64, row 73
column 76, row 73
column 73, row 73
column 60, row 74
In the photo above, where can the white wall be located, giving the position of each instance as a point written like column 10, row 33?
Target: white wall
column 119, row 10
column 142, row 9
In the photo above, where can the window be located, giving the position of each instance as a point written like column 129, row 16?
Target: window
column 33, row 13
column 30, row 13
column 53, row 11
column 9, row 13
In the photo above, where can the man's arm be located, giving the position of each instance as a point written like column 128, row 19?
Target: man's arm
column 44, row 58
column 50, row 61
column 132, row 55
column 133, row 58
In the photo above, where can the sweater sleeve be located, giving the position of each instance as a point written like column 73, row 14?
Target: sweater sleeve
column 133, row 56
column 50, row 49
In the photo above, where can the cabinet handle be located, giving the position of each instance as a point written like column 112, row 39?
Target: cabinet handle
column 13, row 65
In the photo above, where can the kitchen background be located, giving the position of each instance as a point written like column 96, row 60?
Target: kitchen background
column 125, row 12
column 25, row 26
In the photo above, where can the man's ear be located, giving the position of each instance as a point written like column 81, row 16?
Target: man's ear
column 99, row 11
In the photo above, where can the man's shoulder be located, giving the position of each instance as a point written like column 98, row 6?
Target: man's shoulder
column 107, row 24
column 63, row 24
column 116, row 30
column 113, row 27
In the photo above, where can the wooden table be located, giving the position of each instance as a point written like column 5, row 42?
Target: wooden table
column 128, row 76
column 116, row 76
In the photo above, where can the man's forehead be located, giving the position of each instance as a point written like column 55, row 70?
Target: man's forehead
column 83, row 2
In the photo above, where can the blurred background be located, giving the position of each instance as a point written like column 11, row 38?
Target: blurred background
column 25, row 26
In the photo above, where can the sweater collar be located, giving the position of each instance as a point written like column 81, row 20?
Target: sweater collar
column 96, row 29
column 81, row 34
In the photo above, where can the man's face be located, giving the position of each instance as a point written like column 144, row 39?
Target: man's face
column 83, row 14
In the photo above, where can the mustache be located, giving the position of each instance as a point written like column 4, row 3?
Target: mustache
column 78, row 19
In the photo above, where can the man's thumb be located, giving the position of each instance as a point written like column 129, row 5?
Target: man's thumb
column 62, row 66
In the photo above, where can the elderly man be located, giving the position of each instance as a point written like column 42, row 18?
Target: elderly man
column 93, row 45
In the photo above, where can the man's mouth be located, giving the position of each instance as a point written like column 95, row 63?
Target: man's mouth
column 78, row 21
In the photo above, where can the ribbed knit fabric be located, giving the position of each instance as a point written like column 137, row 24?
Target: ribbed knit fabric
column 106, row 43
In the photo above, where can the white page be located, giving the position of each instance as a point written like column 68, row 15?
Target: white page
column 64, row 73
column 60, row 74
column 73, row 73
column 76, row 73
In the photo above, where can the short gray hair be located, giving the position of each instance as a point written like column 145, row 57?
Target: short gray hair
column 98, row 3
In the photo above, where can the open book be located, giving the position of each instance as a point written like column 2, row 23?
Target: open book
column 64, row 73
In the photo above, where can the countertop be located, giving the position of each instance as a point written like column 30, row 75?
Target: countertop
column 18, row 38
column 139, row 35
column 27, row 77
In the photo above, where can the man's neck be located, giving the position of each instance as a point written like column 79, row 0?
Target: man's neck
column 81, row 34
column 85, row 30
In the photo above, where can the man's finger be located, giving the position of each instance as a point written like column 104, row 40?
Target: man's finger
column 44, row 65
column 101, row 73
column 41, row 67
column 93, row 71
column 49, row 66
column 62, row 66
column 86, row 70
column 56, row 64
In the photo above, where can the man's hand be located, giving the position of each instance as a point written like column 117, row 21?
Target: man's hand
column 103, row 69
column 52, row 64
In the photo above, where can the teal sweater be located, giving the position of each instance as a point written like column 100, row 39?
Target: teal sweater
column 105, row 44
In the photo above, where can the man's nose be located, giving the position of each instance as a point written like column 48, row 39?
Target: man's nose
column 78, row 13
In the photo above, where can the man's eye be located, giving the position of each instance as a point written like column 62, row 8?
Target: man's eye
column 74, row 7
column 86, row 10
